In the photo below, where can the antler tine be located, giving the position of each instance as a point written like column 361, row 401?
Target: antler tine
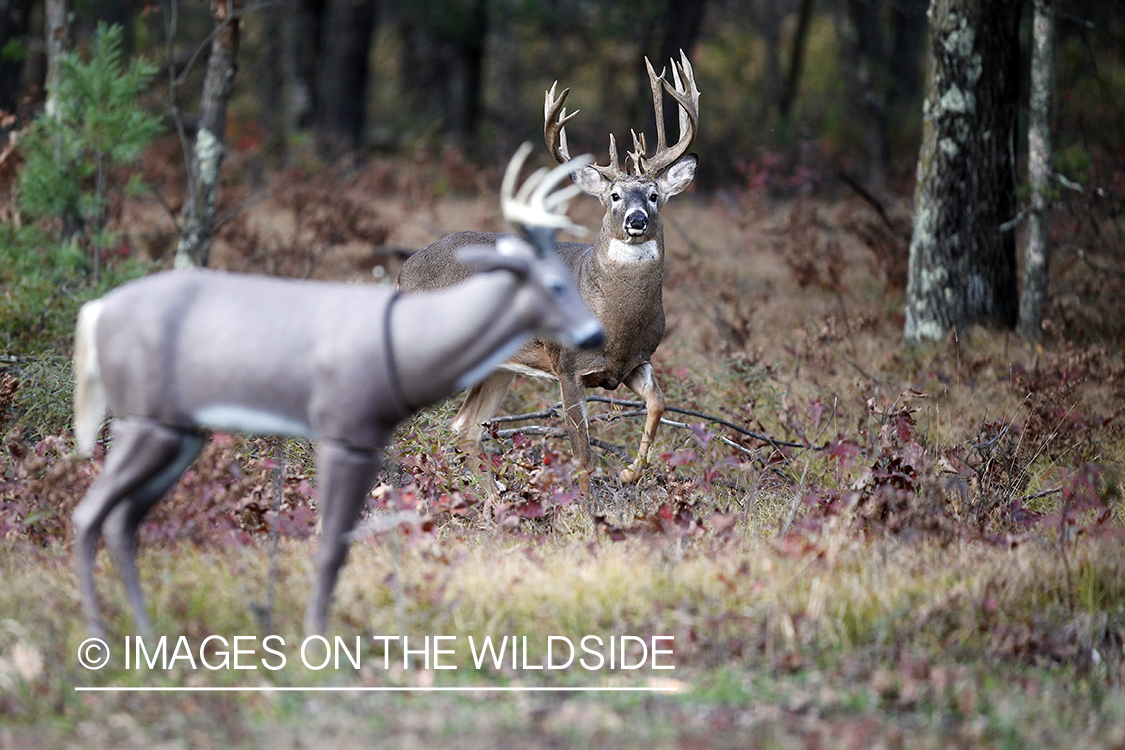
column 657, row 84
column 530, row 207
column 612, row 170
column 640, row 147
column 684, row 67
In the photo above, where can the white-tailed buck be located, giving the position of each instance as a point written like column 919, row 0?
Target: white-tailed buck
column 338, row 363
column 620, row 276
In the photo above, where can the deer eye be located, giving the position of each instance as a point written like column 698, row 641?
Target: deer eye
column 652, row 197
column 615, row 197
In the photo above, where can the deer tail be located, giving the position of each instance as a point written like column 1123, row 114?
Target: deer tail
column 90, row 403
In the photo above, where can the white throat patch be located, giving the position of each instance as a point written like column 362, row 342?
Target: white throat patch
column 624, row 252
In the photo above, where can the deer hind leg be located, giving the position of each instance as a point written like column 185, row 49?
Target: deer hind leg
column 480, row 405
column 577, row 426
column 642, row 382
column 346, row 476
column 145, row 459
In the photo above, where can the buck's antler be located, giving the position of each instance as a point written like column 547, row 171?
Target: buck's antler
column 683, row 91
column 687, row 96
column 534, row 207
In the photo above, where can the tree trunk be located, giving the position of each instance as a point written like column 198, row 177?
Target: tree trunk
column 58, row 32
column 682, row 21
column 57, row 29
column 908, row 35
column 866, row 72
column 443, row 63
column 681, row 29
column 277, row 76
column 14, row 23
column 770, row 28
column 1037, row 259
column 796, row 58
column 341, row 81
column 307, row 37
column 206, row 159
column 962, row 253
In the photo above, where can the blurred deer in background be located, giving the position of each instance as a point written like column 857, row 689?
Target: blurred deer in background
column 338, row 363
column 620, row 276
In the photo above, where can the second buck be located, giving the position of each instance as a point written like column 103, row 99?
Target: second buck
column 620, row 276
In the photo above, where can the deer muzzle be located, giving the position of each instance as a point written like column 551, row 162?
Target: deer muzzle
column 636, row 223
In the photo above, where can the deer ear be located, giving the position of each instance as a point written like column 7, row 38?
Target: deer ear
column 678, row 176
column 591, row 181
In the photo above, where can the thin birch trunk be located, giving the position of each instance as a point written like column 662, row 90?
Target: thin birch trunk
column 1037, row 257
column 206, row 160
column 57, row 21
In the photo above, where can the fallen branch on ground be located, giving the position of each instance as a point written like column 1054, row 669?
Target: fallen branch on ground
column 552, row 411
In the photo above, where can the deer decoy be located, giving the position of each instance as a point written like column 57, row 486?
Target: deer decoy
column 620, row 276
column 338, row 363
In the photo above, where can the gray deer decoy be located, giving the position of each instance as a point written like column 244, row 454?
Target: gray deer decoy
column 620, row 277
column 338, row 363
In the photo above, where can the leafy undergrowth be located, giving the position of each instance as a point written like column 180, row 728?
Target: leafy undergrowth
column 851, row 544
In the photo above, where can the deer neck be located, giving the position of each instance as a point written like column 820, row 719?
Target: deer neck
column 615, row 250
column 622, row 283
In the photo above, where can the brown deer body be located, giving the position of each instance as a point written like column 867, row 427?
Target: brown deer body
column 338, row 363
column 620, row 278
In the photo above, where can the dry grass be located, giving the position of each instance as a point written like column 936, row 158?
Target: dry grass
column 789, row 643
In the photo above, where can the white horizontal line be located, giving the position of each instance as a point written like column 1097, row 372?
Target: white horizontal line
column 283, row 689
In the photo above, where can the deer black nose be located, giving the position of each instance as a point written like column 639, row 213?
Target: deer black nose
column 636, row 222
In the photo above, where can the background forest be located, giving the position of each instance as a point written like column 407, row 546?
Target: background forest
column 858, row 536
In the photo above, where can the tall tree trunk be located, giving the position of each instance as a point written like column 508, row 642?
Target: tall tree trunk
column 341, row 81
column 1037, row 258
column 58, row 33
column 471, row 51
column 57, row 29
column 681, row 28
column 770, row 27
column 682, row 21
column 14, row 24
column 796, row 58
column 783, row 85
column 206, row 160
column 308, row 31
column 443, row 63
column 277, row 79
column 866, row 72
column 908, row 35
column 962, row 253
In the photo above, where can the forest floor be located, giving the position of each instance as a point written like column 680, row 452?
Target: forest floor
column 927, row 552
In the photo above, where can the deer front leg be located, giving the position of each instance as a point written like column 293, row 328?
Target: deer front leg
column 577, row 427
column 642, row 382
column 346, row 476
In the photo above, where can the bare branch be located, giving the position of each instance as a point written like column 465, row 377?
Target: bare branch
column 551, row 412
